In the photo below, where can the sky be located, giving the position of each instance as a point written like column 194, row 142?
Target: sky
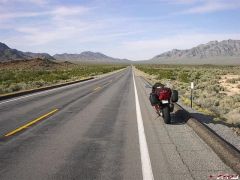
column 133, row 29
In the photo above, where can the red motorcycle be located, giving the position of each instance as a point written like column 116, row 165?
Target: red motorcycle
column 163, row 99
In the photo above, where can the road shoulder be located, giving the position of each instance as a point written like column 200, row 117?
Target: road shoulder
column 233, row 162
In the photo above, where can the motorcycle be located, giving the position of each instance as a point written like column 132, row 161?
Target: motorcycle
column 163, row 100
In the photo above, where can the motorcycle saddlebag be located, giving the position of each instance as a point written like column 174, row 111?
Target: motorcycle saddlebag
column 153, row 99
column 174, row 96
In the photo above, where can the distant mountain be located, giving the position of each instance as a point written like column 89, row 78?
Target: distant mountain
column 39, row 55
column 8, row 54
column 89, row 57
column 214, row 52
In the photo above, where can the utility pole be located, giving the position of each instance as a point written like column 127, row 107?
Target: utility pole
column 192, row 86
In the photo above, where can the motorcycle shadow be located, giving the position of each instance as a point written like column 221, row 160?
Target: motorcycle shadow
column 179, row 117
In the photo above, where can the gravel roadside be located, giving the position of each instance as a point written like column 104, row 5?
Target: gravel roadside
column 222, row 130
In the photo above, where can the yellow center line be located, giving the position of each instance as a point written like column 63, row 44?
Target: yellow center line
column 30, row 123
column 97, row 88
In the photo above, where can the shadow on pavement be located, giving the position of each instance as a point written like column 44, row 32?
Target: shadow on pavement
column 179, row 117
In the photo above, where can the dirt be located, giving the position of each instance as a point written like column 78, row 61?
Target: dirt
column 231, row 88
column 236, row 130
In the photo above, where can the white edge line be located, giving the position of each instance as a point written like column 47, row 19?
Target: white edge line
column 145, row 158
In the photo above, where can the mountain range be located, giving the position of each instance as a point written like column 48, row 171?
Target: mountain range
column 89, row 57
column 214, row 52
column 7, row 54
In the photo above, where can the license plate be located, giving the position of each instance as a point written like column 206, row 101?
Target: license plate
column 164, row 101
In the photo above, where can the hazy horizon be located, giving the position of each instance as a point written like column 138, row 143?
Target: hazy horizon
column 136, row 30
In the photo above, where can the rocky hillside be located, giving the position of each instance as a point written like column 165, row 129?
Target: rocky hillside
column 8, row 54
column 39, row 55
column 89, row 57
column 228, row 50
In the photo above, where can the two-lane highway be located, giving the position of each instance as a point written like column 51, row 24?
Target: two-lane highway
column 96, row 130
column 18, row 111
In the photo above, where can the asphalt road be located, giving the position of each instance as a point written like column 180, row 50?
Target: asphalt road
column 91, row 130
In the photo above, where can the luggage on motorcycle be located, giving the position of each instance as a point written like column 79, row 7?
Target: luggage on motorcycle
column 153, row 99
column 164, row 93
column 174, row 96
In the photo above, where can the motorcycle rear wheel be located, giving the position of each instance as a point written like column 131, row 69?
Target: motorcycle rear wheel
column 166, row 114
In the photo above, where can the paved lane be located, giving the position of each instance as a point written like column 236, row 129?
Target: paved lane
column 18, row 111
column 94, row 135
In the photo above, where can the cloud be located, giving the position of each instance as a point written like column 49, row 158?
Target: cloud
column 181, row 1
column 145, row 49
column 50, row 24
column 45, row 33
column 58, row 11
column 13, row 15
column 208, row 6
column 68, row 10
column 36, row 2
column 40, row 36
column 76, row 31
